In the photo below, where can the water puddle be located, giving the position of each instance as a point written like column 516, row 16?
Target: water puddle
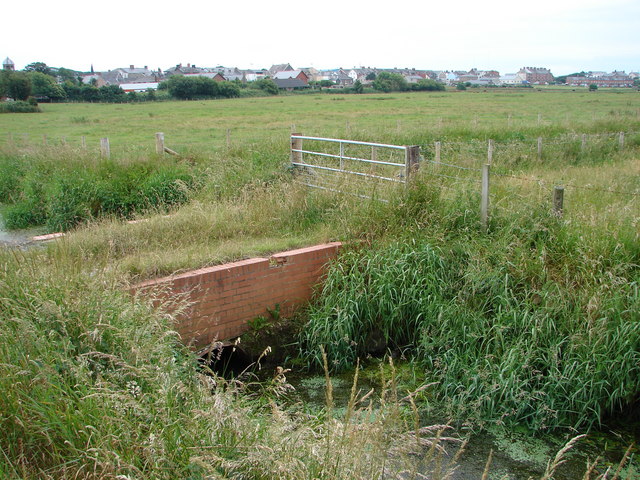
column 17, row 238
column 515, row 454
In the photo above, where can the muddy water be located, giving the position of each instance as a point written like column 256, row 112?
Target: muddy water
column 17, row 238
column 516, row 454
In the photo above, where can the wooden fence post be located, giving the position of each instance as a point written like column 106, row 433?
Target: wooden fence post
column 105, row 151
column 583, row 147
column 438, row 150
column 159, row 143
column 621, row 141
column 63, row 140
column 228, row 138
column 347, row 128
column 484, row 203
column 398, row 126
column 558, row 200
column 509, row 120
column 44, row 139
column 539, row 148
column 83, row 141
column 411, row 161
column 490, row 152
column 374, row 154
column 539, row 118
column 296, row 144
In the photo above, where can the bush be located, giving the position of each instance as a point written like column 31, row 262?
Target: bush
column 19, row 107
column 503, row 341
column 76, row 193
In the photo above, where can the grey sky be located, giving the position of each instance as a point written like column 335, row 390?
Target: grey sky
column 564, row 35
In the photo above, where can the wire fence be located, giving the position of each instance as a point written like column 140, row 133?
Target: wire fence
column 375, row 167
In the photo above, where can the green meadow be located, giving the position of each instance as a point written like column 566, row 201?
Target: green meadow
column 532, row 325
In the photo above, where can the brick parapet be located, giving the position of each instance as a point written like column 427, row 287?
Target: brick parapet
column 223, row 298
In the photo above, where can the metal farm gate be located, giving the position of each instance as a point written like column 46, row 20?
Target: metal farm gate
column 363, row 169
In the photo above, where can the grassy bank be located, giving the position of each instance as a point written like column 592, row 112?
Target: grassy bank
column 534, row 322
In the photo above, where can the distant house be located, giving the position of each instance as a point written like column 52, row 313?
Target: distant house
column 337, row 76
column 537, row 75
column 8, row 64
column 179, row 69
column 289, row 74
column 283, row 67
column 602, row 79
column 139, row 87
column 93, row 79
column 253, row 75
column 290, row 83
column 213, row 75
column 510, row 79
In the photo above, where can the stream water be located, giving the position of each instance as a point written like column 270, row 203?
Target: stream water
column 516, row 454
column 17, row 238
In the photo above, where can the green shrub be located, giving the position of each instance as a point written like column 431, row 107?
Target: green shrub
column 19, row 107
column 506, row 338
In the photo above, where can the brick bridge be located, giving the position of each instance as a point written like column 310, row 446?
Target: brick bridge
column 222, row 299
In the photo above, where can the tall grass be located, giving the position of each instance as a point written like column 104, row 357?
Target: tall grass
column 522, row 327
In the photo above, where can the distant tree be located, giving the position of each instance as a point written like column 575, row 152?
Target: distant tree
column 371, row 76
column 4, row 81
column 65, row 74
column 111, row 94
column 426, row 84
column 38, row 67
column 325, row 83
column 266, row 85
column 150, row 94
column 390, row 82
column 358, row 87
column 43, row 85
column 461, row 86
column 182, row 87
column 593, row 87
column 228, row 89
column 187, row 88
column 563, row 78
column 89, row 93
column 18, row 86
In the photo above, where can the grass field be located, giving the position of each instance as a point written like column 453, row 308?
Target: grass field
column 203, row 124
column 93, row 386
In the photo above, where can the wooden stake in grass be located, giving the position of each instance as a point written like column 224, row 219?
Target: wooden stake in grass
column 539, row 148
column 296, row 146
column 228, row 138
column 159, row 143
column 105, row 150
column 44, row 139
column 583, row 147
column 621, row 141
column 490, row 152
column 83, row 141
column 438, row 149
column 484, row 205
column 558, row 200
column 412, row 157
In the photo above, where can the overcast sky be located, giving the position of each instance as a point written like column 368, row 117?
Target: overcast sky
column 563, row 35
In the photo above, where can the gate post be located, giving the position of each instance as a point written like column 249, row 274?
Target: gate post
column 296, row 144
column 411, row 159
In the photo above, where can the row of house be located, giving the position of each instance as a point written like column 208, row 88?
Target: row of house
column 286, row 77
column 289, row 78
column 604, row 79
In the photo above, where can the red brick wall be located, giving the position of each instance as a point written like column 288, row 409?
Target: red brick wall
column 223, row 298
